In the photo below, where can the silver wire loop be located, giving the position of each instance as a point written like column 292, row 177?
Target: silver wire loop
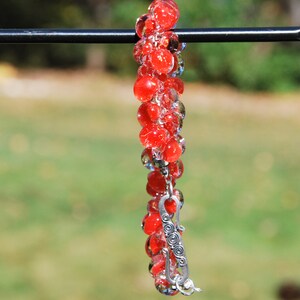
column 188, row 288
column 168, row 275
column 169, row 188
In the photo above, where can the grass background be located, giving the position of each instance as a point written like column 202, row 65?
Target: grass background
column 72, row 192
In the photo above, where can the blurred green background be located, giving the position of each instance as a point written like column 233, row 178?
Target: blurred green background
column 72, row 188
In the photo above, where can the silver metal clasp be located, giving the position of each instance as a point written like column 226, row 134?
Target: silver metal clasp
column 175, row 244
column 182, row 282
column 188, row 288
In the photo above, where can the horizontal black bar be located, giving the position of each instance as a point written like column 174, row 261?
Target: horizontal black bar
column 112, row 36
column 251, row 34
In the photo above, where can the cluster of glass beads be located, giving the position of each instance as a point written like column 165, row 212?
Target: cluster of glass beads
column 160, row 115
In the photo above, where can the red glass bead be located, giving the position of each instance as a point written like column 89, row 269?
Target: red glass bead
column 171, row 2
column 153, row 136
column 142, row 115
column 164, row 41
column 158, row 265
column 152, row 206
column 157, row 181
column 153, row 111
column 138, row 51
column 151, row 223
column 176, row 84
column 150, row 27
column 169, row 40
column 162, row 60
column 145, row 88
column 166, row 103
column 172, row 151
column 141, row 49
column 165, row 13
column 171, row 206
column 154, row 245
column 147, row 247
column 176, row 168
column 147, row 48
column 140, row 25
column 171, row 123
column 179, row 85
column 144, row 71
column 147, row 63
column 145, row 26
column 162, row 77
column 151, row 191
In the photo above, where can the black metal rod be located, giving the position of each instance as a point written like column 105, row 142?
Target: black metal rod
column 114, row 36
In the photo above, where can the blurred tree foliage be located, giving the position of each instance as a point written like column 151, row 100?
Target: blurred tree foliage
column 248, row 66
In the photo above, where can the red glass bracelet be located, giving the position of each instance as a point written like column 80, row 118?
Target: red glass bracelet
column 161, row 116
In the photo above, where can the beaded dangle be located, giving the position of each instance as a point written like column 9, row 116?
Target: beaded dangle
column 161, row 116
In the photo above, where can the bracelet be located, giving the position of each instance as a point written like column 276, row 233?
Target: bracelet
column 161, row 116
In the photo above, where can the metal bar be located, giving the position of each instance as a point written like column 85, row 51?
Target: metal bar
column 114, row 36
column 224, row 35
